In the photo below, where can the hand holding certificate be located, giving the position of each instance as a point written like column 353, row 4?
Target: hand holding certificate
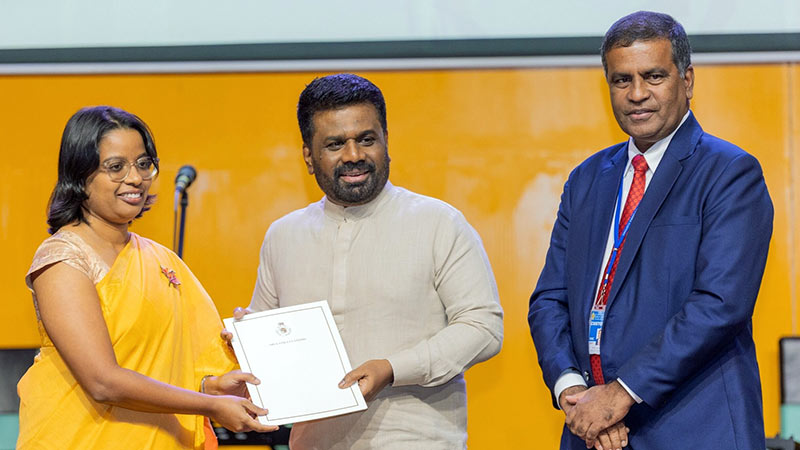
column 298, row 355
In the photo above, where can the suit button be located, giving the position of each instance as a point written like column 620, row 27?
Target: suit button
column 586, row 375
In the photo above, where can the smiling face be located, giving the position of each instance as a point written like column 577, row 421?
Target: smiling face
column 117, row 203
column 348, row 154
column 648, row 95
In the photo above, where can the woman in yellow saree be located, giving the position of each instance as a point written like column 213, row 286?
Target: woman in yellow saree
column 131, row 356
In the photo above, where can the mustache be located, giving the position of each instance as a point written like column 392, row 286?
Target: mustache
column 360, row 166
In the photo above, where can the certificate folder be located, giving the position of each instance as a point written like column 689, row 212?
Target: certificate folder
column 298, row 355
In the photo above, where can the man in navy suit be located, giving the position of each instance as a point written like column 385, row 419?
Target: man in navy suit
column 642, row 314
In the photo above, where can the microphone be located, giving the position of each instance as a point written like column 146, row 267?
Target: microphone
column 186, row 176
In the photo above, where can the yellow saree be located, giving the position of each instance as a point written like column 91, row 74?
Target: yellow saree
column 162, row 324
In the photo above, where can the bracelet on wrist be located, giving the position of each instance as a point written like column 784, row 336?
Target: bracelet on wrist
column 203, row 383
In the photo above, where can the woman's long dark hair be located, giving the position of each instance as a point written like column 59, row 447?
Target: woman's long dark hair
column 79, row 157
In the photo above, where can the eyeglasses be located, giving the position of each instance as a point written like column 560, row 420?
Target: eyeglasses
column 118, row 169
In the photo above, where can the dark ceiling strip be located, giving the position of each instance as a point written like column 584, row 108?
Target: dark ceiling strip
column 507, row 47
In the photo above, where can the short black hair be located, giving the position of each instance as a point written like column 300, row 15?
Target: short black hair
column 79, row 157
column 334, row 92
column 646, row 26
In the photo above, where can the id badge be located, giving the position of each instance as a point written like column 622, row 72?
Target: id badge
column 595, row 330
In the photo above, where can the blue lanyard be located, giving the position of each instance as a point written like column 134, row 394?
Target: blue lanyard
column 618, row 237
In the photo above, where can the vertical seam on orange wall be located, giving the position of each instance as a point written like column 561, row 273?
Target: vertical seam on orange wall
column 791, row 187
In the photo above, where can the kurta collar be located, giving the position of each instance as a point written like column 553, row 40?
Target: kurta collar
column 343, row 214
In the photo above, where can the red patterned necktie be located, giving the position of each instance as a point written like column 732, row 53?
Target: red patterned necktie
column 634, row 196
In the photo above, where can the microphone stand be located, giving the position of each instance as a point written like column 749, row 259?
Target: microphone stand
column 177, row 245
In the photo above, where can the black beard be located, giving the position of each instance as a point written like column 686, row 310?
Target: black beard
column 352, row 194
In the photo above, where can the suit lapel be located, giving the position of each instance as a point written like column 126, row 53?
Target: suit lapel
column 681, row 147
column 602, row 204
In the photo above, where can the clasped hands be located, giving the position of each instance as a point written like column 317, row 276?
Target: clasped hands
column 595, row 414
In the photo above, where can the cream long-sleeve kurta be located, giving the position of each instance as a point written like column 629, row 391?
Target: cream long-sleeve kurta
column 407, row 279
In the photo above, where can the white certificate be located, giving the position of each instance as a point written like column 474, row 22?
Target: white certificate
column 298, row 355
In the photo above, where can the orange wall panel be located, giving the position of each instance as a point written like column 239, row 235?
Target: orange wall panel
column 497, row 144
column 749, row 106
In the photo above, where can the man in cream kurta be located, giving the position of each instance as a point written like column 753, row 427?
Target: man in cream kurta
column 405, row 275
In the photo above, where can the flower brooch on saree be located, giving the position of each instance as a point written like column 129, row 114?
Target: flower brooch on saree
column 170, row 274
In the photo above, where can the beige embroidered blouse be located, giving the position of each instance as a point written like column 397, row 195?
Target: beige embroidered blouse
column 67, row 247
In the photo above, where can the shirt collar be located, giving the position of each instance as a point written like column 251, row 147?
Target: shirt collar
column 654, row 154
column 343, row 213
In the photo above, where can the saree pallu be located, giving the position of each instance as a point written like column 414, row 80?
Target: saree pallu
column 162, row 324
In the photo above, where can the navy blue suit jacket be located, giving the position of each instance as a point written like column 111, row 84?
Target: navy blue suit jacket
column 678, row 325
